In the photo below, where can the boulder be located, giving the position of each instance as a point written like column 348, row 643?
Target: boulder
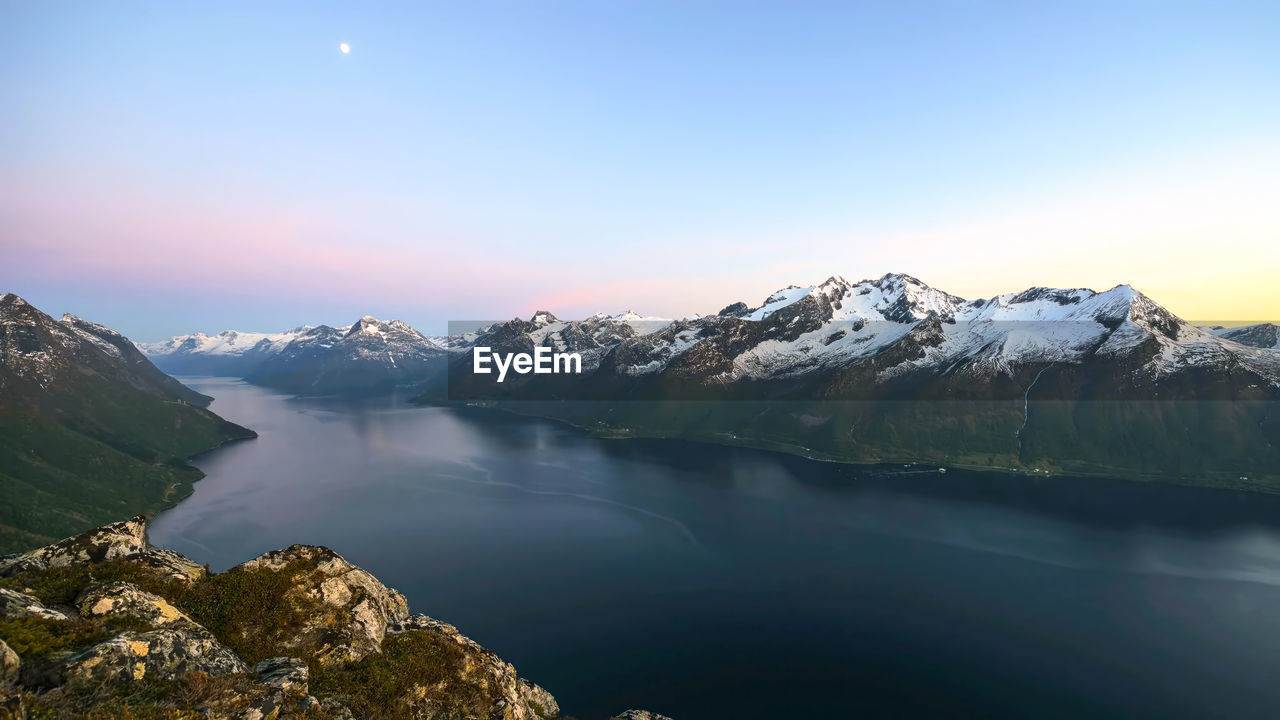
column 15, row 605
column 285, row 680
column 282, row 673
column 350, row 611
column 167, row 654
column 169, row 564
column 520, row 697
column 122, row 599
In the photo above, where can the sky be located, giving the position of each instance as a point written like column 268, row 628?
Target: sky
column 176, row 167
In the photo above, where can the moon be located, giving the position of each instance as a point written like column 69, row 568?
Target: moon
column 345, row 48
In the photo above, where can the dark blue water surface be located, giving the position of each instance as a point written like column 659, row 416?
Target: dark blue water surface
column 709, row 582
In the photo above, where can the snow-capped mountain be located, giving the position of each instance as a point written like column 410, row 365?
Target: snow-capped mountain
column 39, row 353
column 800, row 331
column 368, row 355
column 230, row 353
column 892, row 369
column 1264, row 335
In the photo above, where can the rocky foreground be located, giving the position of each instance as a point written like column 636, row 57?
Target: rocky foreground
column 103, row 625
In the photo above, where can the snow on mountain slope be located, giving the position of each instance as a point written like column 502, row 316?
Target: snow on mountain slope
column 896, row 322
column 371, row 342
column 840, row 323
column 99, row 335
column 805, row 329
column 1264, row 335
column 779, row 300
column 229, row 342
column 394, row 334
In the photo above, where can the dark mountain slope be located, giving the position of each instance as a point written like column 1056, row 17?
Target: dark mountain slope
column 89, row 429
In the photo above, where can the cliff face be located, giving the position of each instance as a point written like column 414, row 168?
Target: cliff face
column 103, row 625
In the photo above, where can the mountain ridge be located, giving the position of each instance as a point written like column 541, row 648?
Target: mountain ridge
column 88, row 427
column 1058, row 380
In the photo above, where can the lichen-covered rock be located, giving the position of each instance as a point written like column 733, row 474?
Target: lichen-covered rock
column 639, row 715
column 352, row 607
column 15, row 605
column 169, row 564
column 122, row 599
column 10, row 665
column 285, row 680
column 520, row 698
column 305, row 603
column 123, row 540
column 98, row 545
column 336, row 709
column 167, row 654
column 282, row 673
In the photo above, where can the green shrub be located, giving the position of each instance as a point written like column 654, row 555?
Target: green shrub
column 414, row 670
column 249, row 610
column 61, row 585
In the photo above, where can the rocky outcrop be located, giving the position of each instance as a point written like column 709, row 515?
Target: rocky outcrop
column 94, row 546
column 496, row 673
column 125, row 600
column 169, row 564
column 639, row 715
column 351, row 609
column 293, row 633
column 167, row 654
column 15, row 605
column 285, row 681
column 284, row 674
column 126, row 540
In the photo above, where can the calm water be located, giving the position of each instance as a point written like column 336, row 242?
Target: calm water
column 707, row 582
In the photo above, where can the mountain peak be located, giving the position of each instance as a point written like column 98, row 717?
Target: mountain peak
column 12, row 300
column 368, row 324
column 900, row 279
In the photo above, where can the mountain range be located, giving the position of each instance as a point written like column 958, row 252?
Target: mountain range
column 889, row 369
column 796, row 331
column 1042, row 381
column 368, row 356
column 89, row 429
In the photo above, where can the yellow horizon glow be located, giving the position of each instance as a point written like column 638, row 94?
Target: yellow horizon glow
column 1199, row 236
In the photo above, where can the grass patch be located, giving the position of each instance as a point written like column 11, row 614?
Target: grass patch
column 34, row 638
column 250, row 610
column 150, row 699
column 61, row 585
column 246, row 609
column 415, row 671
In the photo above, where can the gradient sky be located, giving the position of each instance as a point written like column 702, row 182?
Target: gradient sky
column 183, row 166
